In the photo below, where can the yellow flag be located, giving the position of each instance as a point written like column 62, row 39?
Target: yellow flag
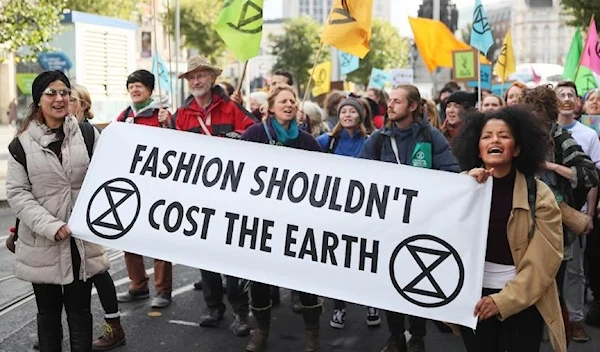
column 506, row 64
column 348, row 27
column 436, row 43
column 321, row 78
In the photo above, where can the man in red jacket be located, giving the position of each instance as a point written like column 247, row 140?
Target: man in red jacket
column 210, row 111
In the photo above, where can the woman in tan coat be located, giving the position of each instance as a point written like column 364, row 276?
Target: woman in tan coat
column 524, row 240
column 42, row 185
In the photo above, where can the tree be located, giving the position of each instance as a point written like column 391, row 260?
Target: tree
column 581, row 11
column 388, row 50
column 124, row 9
column 197, row 20
column 296, row 49
column 27, row 27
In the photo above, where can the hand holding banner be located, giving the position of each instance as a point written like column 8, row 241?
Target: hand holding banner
column 195, row 199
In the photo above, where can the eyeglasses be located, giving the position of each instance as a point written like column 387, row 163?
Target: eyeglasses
column 198, row 76
column 51, row 92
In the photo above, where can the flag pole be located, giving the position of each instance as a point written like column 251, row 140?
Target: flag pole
column 239, row 87
column 478, row 79
column 311, row 74
column 502, row 86
column 156, row 50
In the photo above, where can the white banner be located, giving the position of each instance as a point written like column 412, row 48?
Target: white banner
column 402, row 76
column 379, row 234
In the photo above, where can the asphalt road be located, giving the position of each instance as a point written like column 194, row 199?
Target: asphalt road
column 176, row 327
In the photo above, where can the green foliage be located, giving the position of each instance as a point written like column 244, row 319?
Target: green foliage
column 197, row 31
column 581, row 11
column 124, row 9
column 297, row 48
column 388, row 50
column 28, row 26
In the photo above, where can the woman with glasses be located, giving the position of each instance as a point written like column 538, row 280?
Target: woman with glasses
column 42, row 192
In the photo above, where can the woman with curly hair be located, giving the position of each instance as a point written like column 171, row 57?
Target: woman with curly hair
column 524, row 245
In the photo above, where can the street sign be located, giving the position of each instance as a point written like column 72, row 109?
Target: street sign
column 55, row 61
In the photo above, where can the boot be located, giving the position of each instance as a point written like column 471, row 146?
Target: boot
column 296, row 305
column 113, row 336
column 258, row 340
column 395, row 343
column 50, row 332
column 311, row 328
column 80, row 330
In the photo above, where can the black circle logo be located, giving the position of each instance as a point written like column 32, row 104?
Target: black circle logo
column 112, row 211
column 429, row 288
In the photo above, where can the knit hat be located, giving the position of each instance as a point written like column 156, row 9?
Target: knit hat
column 466, row 99
column 43, row 80
column 355, row 104
column 144, row 77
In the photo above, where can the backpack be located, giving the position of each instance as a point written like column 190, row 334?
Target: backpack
column 333, row 143
column 379, row 138
column 16, row 150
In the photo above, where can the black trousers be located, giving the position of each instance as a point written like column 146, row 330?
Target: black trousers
column 107, row 293
column 396, row 324
column 520, row 333
column 592, row 258
column 212, row 288
column 261, row 296
column 75, row 297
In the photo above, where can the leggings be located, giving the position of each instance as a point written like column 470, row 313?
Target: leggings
column 107, row 294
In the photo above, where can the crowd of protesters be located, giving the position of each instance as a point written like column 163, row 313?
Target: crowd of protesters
column 543, row 246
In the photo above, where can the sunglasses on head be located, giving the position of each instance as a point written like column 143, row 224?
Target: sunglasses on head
column 51, row 92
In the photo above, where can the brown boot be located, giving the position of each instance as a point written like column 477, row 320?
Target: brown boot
column 112, row 337
column 311, row 328
column 258, row 340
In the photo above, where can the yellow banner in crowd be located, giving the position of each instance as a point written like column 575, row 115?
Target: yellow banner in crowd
column 506, row 61
column 321, row 78
column 349, row 26
column 436, row 43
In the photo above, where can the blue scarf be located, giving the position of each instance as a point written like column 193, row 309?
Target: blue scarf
column 283, row 136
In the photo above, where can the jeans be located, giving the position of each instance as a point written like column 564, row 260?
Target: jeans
column 107, row 294
column 261, row 297
column 521, row 332
column 574, row 289
column 163, row 274
column 212, row 288
column 396, row 324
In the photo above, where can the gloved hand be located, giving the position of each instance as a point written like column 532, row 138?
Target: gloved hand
column 233, row 135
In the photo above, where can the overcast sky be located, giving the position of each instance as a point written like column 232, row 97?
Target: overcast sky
column 401, row 9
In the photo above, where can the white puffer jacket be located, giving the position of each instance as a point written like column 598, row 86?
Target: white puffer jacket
column 43, row 199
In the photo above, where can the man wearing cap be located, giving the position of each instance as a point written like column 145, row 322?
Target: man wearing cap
column 146, row 110
column 209, row 110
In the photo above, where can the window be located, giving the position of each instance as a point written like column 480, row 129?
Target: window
column 105, row 62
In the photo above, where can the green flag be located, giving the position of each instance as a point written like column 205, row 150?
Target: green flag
column 240, row 26
column 585, row 79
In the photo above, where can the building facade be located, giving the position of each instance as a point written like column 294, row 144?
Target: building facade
column 540, row 33
column 319, row 9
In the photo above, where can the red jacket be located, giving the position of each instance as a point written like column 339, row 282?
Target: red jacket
column 147, row 116
column 222, row 116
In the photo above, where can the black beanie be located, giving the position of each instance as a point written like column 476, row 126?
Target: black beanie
column 354, row 103
column 43, row 80
column 142, row 76
column 466, row 99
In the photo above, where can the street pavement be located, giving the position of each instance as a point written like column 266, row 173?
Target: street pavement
column 176, row 328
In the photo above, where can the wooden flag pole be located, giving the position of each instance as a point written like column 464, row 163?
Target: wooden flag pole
column 156, row 52
column 478, row 78
column 502, row 86
column 311, row 75
column 239, row 87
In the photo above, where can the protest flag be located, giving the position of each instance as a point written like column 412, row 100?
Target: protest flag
column 240, row 24
column 506, row 65
column 348, row 27
column 481, row 31
column 591, row 51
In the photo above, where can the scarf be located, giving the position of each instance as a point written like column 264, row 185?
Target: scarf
column 283, row 136
column 140, row 106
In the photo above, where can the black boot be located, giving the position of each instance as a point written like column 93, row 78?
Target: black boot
column 258, row 340
column 49, row 332
column 311, row 328
column 80, row 330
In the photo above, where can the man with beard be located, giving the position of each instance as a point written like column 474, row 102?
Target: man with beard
column 210, row 111
column 587, row 138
